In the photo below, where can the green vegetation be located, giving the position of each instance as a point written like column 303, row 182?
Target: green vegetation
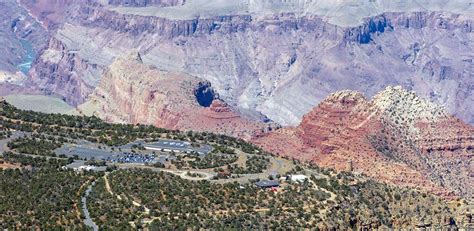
column 5, row 134
column 175, row 203
column 212, row 161
column 36, row 145
column 383, row 204
column 44, row 197
column 34, row 162
column 223, row 149
column 179, row 203
column 253, row 164
column 95, row 130
column 194, row 174
column 41, row 195
column 107, row 211
column 209, row 161
column 94, row 162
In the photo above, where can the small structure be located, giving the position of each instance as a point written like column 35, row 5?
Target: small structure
column 297, row 178
column 80, row 166
column 85, row 168
column 267, row 184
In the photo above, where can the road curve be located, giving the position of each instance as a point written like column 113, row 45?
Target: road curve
column 88, row 220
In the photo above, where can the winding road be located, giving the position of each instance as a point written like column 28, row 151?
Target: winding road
column 88, row 220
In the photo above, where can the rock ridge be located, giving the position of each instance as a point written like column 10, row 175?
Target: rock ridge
column 395, row 137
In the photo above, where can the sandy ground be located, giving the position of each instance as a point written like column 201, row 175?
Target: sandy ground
column 41, row 103
column 8, row 165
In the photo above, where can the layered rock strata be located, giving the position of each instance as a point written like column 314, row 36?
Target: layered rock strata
column 394, row 137
column 133, row 92
column 269, row 51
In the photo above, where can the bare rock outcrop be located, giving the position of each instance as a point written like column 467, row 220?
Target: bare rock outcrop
column 143, row 3
column 62, row 72
column 20, row 36
column 395, row 137
column 286, row 48
column 51, row 13
column 133, row 92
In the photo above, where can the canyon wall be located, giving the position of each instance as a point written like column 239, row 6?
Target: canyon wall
column 17, row 31
column 257, row 61
column 142, row 3
column 225, row 66
column 62, row 73
column 133, row 92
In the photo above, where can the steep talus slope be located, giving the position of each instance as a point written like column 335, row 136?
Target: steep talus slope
column 341, row 13
column 133, row 92
column 63, row 73
column 51, row 13
column 265, row 53
column 21, row 39
column 395, row 137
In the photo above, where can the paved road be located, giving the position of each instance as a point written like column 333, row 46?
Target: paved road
column 181, row 173
column 88, row 221
column 278, row 165
column 4, row 142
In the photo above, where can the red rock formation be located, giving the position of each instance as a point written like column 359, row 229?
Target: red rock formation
column 220, row 110
column 133, row 92
column 384, row 139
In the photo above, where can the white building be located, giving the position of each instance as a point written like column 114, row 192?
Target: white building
column 85, row 168
column 297, row 178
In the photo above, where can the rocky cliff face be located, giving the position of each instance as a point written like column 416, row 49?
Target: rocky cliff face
column 51, row 13
column 133, row 92
column 136, row 25
column 279, row 58
column 257, row 60
column 61, row 72
column 17, row 31
column 142, row 3
column 395, row 137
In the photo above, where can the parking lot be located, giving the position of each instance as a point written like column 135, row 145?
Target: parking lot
column 158, row 151
column 176, row 146
column 134, row 158
column 87, row 152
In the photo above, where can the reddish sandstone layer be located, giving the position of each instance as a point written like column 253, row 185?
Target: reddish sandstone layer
column 132, row 92
column 385, row 140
